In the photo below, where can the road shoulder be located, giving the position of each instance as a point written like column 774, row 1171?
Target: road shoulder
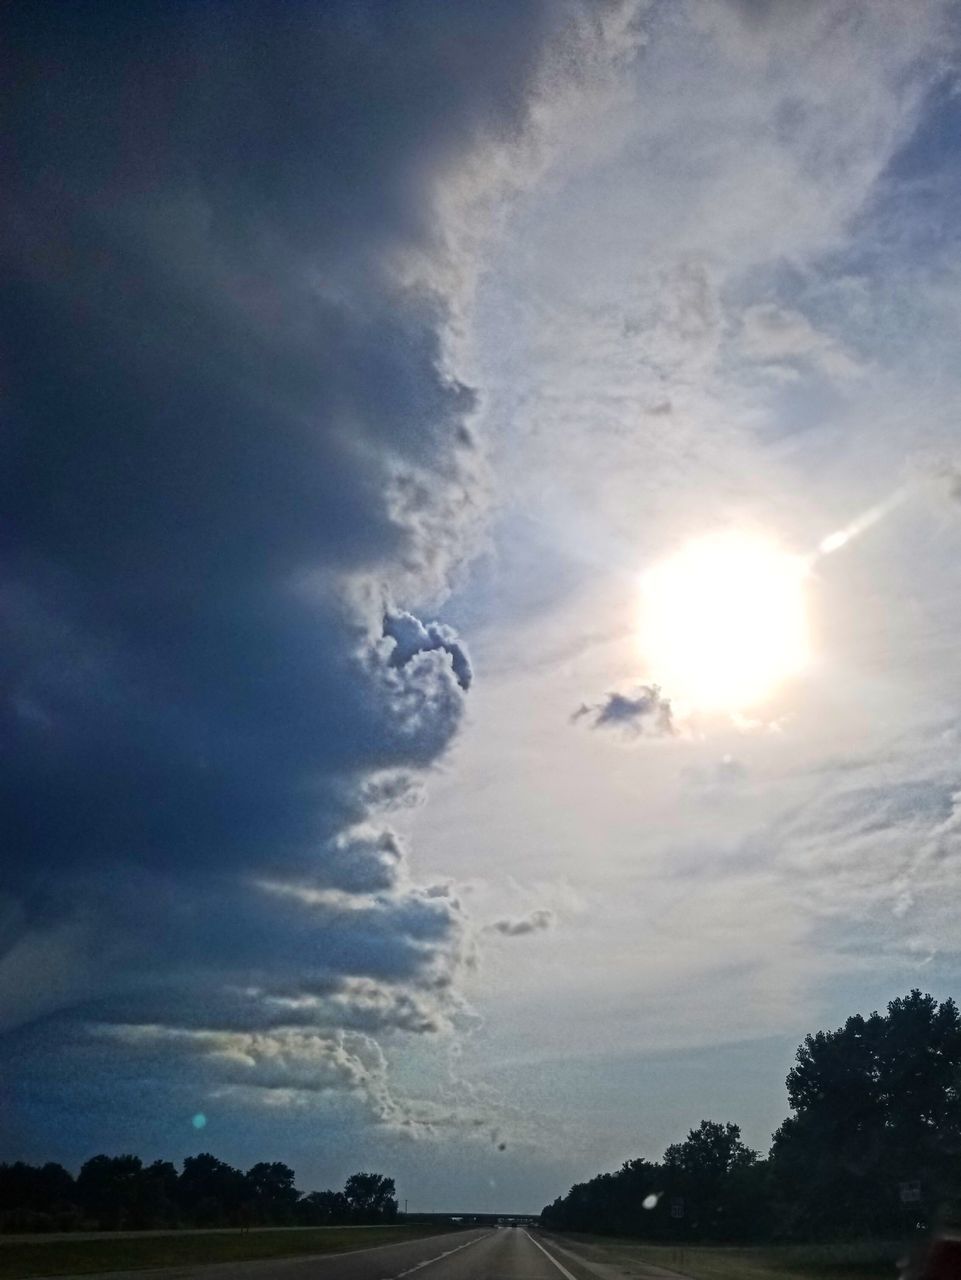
column 606, row 1262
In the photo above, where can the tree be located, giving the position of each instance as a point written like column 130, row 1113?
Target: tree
column 157, row 1201
column 56, row 1189
column 722, row 1185
column 710, row 1153
column 321, row 1208
column 109, row 1189
column 876, row 1102
column 37, row 1199
column 370, row 1197
column 118, row 1191
column 703, row 1170
column 209, row 1191
column 270, row 1191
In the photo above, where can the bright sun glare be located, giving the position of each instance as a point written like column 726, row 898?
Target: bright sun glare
column 724, row 621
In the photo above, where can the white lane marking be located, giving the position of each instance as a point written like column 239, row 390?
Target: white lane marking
column 427, row 1261
column 561, row 1268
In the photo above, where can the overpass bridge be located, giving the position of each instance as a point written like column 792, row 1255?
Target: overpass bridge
column 468, row 1218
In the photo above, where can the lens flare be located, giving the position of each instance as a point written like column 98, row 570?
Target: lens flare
column 866, row 520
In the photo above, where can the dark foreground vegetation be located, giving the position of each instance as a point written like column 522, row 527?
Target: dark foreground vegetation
column 876, row 1114
column 121, row 1193
column 840, row 1260
column 70, row 1255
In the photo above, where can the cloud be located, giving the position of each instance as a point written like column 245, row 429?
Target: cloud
column 519, row 926
column 278, row 1068
column 244, row 464
column 781, row 338
column 644, row 712
column 947, row 473
column 412, row 637
column 362, row 861
column 874, row 849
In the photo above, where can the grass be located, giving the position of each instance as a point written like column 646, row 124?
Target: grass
column 63, row 1256
column 858, row 1260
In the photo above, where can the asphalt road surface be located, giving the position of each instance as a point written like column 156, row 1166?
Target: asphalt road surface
column 506, row 1254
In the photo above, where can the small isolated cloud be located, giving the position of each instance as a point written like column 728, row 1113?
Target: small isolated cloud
column 644, row 712
column 519, row 926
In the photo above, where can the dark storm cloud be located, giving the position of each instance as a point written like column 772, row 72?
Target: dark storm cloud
column 362, row 862
column 230, row 427
column 645, row 711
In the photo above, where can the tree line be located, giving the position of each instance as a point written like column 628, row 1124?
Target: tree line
column 873, row 1146
column 121, row 1192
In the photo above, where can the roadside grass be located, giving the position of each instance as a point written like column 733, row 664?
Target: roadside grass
column 856, row 1260
column 63, row 1256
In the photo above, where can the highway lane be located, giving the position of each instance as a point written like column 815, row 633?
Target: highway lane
column 483, row 1254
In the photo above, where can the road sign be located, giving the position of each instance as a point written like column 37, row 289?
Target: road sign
column 910, row 1192
column 677, row 1207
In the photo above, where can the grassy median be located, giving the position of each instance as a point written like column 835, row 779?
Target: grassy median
column 60, row 1255
column 858, row 1260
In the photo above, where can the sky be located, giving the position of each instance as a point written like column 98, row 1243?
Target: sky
column 482, row 508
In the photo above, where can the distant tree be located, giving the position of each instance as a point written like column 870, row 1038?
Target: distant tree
column 622, row 1196
column 718, row 1179
column 876, row 1102
column 56, row 1188
column 702, row 1169
column 270, row 1192
column 710, row 1152
column 24, row 1186
column 158, row 1198
column 37, row 1198
column 322, row 1208
column 210, row 1192
column 118, row 1191
column 18, row 1187
column 371, row 1197
column 746, row 1204
column 109, row 1189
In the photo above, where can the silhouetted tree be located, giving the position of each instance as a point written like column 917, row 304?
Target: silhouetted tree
column 876, row 1102
column 210, row 1192
column 270, row 1192
column 716, row 1177
column 322, row 1208
column 55, row 1187
column 158, row 1195
column 109, row 1190
column 701, row 1168
column 37, row 1198
column 370, row 1197
column 118, row 1191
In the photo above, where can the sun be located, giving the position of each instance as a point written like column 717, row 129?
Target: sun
column 724, row 621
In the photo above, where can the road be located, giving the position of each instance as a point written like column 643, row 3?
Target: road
column 484, row 1254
